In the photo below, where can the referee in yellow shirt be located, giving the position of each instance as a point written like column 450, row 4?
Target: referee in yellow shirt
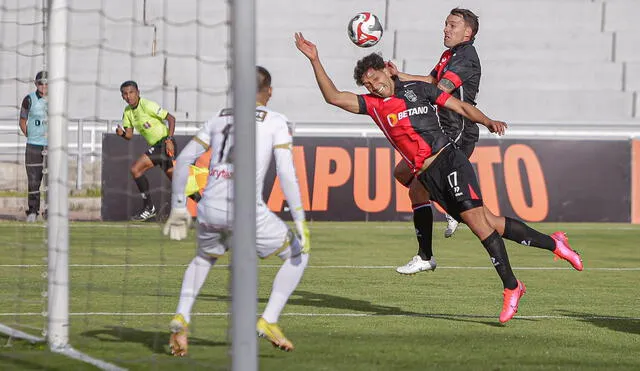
column 147, row 118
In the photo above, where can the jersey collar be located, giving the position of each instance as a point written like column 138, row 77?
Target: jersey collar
column 462, row 44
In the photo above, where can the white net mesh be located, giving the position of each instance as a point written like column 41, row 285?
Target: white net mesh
column 22, row 55
column 124, row 277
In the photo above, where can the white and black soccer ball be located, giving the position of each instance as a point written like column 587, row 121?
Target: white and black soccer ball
column 365, row 29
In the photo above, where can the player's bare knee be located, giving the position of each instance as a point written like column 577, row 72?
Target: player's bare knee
column 477, row 221
column 403, row 174
column 496, row 222
column 137, row 170
column 418, row 193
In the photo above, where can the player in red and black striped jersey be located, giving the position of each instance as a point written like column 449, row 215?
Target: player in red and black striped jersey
column 457, row 72
column 406, row 113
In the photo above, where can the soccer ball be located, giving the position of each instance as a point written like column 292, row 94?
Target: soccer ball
column 365, row 30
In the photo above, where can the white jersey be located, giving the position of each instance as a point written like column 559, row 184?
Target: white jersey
column 271, row 132
column 272, row 137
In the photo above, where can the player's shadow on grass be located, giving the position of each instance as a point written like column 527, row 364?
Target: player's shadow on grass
column 317, row 300
column 157, row 341
column 312, row 299
column 616, row 323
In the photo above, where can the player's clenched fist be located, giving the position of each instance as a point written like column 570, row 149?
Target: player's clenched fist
column 178, row 223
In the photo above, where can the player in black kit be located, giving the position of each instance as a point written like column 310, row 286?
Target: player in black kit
column 405, row 113
column 458, row 73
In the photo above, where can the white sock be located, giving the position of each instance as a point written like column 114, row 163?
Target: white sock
column 194, row 277
column 285, row 282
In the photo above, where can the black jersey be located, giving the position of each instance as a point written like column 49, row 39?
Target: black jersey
column 408, row 119
column 461, row 66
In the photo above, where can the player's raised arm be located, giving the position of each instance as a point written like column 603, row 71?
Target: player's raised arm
column 348, row 101
column 475, row 115
column 393, row 69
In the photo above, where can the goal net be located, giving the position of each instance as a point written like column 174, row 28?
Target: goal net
column 122, row 279
column 86, row 280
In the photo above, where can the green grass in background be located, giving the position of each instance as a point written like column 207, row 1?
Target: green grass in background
column 350, row 312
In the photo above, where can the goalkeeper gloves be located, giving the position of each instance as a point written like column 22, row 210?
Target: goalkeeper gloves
column 303, row 234
column 178, row 223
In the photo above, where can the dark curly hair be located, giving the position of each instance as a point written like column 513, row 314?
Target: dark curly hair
column 470, row 19
column 372, row 60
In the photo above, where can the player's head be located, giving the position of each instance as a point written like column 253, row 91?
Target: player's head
column 41, row 82
column 461, row 25
column 372, row 73
column 264, row 85
column 130, row 92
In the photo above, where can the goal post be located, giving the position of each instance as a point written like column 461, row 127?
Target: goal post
column 57, row 332
column 58, row 219
column 92, row 290
column 244, row 275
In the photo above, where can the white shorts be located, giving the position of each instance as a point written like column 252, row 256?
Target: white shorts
column 214, row 231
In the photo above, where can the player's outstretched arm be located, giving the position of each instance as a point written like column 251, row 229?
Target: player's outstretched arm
column 179, row 219
column 407, row 76
column 475, row 115
column 348, row 101
column 289, row 183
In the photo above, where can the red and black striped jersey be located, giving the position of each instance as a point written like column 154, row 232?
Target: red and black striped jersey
column 408, row 119
column 461, row 66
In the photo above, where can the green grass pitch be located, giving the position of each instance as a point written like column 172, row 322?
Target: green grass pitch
column 352, row 311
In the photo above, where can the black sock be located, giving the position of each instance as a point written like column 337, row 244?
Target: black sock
column 500, row 260
column 143, row 186
column 195, row 196
column 423, row 222
column 521, row 233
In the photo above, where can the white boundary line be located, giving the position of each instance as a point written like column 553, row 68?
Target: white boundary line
column 621, row 269
column 72, row 353
column 13, row 333
column 417, row 315
column 66, row 350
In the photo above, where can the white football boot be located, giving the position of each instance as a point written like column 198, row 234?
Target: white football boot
column 452, row 225
column 416, row 265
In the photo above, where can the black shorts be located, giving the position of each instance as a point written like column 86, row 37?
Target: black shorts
column 452, row 183
column 157, row 153
column 466, row 146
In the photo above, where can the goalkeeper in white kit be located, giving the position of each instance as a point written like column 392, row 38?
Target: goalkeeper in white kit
column 215, row 213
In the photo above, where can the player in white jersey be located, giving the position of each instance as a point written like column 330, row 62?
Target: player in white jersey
column 215, row 217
